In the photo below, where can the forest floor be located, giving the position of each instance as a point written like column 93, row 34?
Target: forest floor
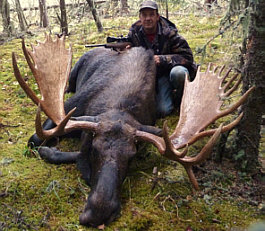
column 35, row 195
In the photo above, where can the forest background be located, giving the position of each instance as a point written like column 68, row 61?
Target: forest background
column 35, row 195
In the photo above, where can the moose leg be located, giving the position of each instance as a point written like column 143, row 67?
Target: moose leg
column 54, row 156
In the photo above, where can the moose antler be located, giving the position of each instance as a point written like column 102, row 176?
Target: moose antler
column 200, row 107
column 50, row 63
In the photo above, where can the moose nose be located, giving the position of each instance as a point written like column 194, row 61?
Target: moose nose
column 86, row 219
column 95, row 216
column 83, row 218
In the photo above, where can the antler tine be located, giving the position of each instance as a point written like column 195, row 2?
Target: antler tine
column 212, row 131
column 48, row 38
column 221, row 70
column 215, row 69
column 191, row 176
column 57, row 131
column 153, row 139
column 163, row 145
column 236, row 104
column 225, row 76
column 22, row 82
column 199, row 69
column 64, row 127
column 233, row 107
column 231, row 90
column 188, row 162
column 28, row 57
column 227, row 72
column 170, row 151
column 204, row 153
column 209, row 67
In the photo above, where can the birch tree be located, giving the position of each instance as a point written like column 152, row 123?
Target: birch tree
column 95, row 15
column 44, row 21
column 5, row 12
column 21, row 17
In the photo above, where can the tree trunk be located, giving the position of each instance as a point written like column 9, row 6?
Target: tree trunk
column 5, row 12
column 124, row 7
column 63, row 19
column 44, row 21
column 95, row 15
column 248, row 137
column 21, row 17
column 167, row 9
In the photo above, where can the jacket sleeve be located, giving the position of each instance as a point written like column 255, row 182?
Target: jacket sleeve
column 180, row 52
column 130, row 35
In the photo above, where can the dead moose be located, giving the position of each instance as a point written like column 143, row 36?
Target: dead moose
column 114, row 107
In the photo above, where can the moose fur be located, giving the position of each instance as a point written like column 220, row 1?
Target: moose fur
column 118, row 91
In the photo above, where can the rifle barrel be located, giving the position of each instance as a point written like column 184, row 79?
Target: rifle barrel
column 96, row 45
column 114, row 45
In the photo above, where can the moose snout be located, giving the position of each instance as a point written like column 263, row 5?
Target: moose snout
column 103, row 203
column 85, row 218
column 99, row 213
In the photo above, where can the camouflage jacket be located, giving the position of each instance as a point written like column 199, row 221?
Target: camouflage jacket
column 172, row 48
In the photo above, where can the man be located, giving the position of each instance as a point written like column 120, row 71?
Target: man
column 172, row 55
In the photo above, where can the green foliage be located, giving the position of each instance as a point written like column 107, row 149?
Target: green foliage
column 29, row 152
column 237, row 19
column 239, row 155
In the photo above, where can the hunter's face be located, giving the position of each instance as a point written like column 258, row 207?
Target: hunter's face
column 149, row 19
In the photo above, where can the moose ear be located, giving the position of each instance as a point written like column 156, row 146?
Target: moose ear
column 150, row 129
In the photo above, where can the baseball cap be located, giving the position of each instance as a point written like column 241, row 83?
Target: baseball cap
column 148, row 4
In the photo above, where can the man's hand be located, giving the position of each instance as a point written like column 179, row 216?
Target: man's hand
column 157, row 60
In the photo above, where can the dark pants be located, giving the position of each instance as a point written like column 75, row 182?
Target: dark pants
column 165, row 97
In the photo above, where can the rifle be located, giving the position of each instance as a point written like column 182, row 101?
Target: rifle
column 115, row 43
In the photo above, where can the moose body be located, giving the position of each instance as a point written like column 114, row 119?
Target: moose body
column 114, row 106
column 119, row 93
